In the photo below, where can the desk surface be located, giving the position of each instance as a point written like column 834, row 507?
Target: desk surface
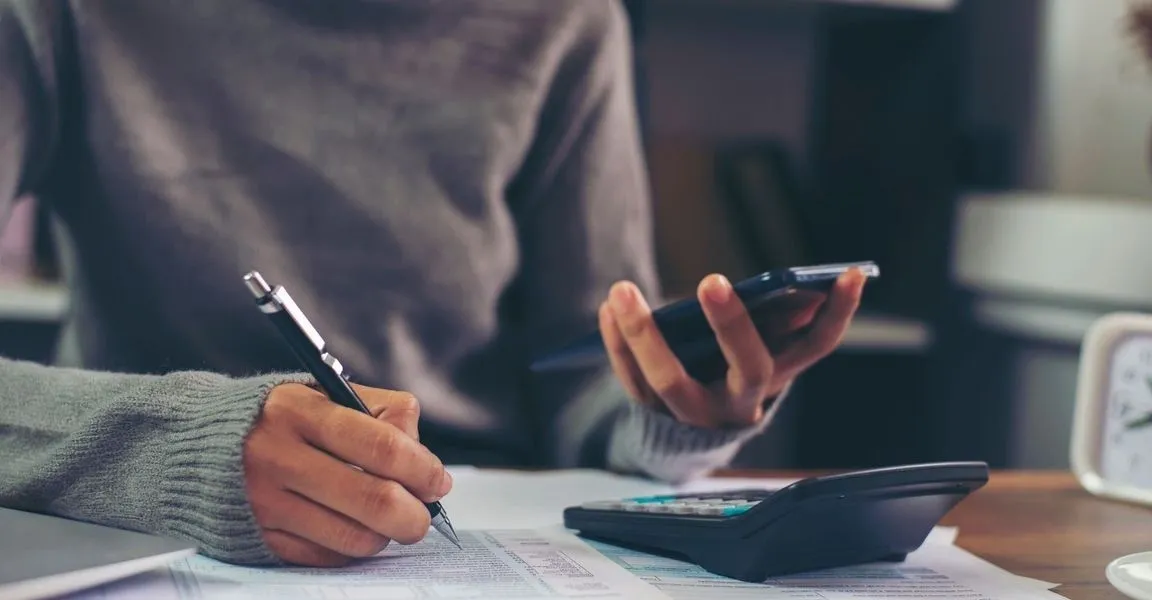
column 1044, row 525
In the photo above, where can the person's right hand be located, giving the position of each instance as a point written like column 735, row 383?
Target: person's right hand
column 312, row 506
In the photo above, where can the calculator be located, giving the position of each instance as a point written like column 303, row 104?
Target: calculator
column 820, row 522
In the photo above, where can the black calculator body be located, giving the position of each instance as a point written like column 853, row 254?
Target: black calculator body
column 816, row 523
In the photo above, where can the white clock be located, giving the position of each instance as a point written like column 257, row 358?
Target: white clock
column 1111, row 450
column 1112, row 425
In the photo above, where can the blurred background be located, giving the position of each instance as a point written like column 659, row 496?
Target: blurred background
column 990, row 155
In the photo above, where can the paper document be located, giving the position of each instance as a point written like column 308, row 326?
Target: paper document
column 515, row 546
column 484, row 499
column 721, row 484
column 937, row 570
column 520, row 564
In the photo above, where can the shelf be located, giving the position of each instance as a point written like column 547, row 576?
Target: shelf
column 873, row 333
column 22, row 301
column 38, row 302
column 880, row 332
column 921, row 5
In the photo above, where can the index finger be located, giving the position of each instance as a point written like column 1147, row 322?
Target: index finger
column 829, row 325
column 750, row 364
column 398, row 408
column 377, row 447
column 789, row 313
column 684, row 397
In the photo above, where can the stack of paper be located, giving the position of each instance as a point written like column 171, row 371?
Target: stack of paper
column 516, row 547
column 939, row 569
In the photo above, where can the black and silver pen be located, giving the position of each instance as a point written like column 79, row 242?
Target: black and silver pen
column 311, row 350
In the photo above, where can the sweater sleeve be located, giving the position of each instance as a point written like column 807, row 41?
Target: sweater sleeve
column 584, row 213
column 153, row 453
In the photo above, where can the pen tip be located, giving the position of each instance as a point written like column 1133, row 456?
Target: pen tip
column 444, row 526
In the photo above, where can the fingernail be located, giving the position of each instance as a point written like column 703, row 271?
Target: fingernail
column 719, row 289
column 623, row 298
column 445, row 484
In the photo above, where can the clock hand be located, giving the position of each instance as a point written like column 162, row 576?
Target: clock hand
column 1141, row 422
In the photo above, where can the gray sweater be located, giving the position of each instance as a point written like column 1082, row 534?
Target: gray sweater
column 446, row 186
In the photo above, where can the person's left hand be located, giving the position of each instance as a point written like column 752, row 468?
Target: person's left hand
column 762, row 357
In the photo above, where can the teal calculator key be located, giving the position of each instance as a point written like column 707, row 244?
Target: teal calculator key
column 651, row 499
column 732, row 511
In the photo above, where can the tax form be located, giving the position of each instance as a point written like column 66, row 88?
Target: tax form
column 496, row 564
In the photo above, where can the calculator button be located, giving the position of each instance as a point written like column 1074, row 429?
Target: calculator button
column 722, row 508
column 720, row 505
column 732, row 511
column 651, row 499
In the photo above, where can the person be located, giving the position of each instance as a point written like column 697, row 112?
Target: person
column 447, row 188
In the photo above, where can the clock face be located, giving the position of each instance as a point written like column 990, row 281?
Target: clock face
column 1126, row 443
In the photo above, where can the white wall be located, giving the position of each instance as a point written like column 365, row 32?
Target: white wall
column 1068, row 80
column 1093, row 110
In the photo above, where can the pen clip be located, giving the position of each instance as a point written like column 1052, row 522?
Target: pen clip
column 278, row 300
column 281, row 297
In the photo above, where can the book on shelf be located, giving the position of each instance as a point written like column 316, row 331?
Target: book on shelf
column 734, row 208
column 694, row 233
column 765, row 202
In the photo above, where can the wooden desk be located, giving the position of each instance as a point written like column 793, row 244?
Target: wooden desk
column 1044, row 525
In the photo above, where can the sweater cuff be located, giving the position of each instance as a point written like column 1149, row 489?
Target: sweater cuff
column 658, row 445
column 202, row 495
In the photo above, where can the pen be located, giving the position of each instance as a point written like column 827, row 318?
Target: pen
column 311, row 350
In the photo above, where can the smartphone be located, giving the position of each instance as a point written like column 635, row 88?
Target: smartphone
column 687, row 331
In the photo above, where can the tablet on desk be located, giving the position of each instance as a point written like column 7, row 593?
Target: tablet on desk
column 43, row 556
